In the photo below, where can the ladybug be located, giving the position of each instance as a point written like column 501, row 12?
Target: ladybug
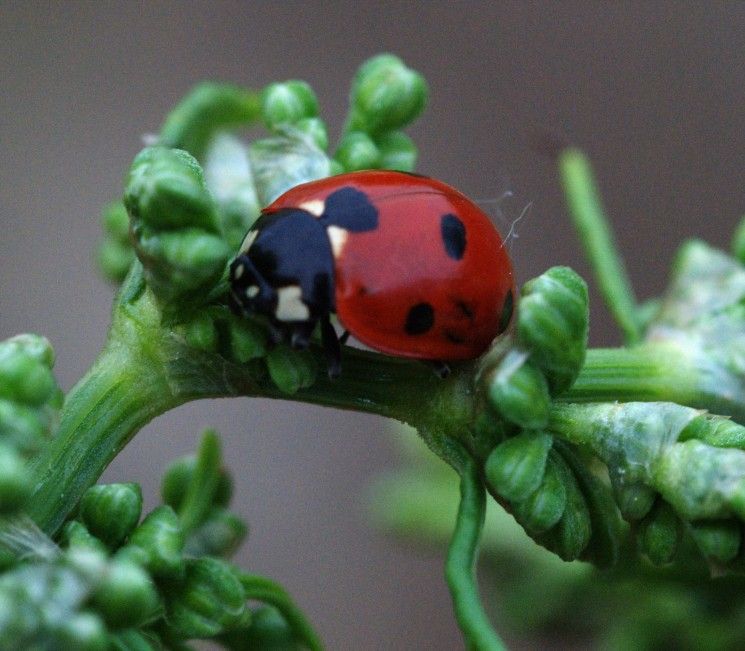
column 410, row 266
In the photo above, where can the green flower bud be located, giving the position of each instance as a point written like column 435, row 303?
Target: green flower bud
column 16, row 481
column 75, row 534
column 114, row 259
column 220, row 535
column 23, row 428
column 738, row 241
column 315, row 129
column 659, row 534
column 633, row 500
column 718, row 540
column 287, row 102
column 247, row 339
column 116, row 222
column 386, row 95
column 397, row 151
column 209, row 601
column 83, row 632
column 553, row 323
column 519, row 392
column 571, row 535
column 291, row 370
column 515, row 468
column 269, row 631
column 544, row 508
column 357, row 151
column 158, row 543
column 201, row 332
column 183, row 260
column 34, row 346
column 180, row 474
column 166, row 190
column 126, row 595
column 25, row 379
column 111, row 511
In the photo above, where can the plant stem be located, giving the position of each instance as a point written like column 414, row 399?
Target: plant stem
column 262, row 589
column 589, row 218
column 460, row 565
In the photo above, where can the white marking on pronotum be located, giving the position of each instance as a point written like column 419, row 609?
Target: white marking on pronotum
column 290, row 306
column 248, row 240
column 252, row 290
column 239, row 271
column 338, row 238
column 315, row 207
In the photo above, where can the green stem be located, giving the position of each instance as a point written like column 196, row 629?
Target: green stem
column 262, row 589
column 654, row 372
column 145, row 370
column 589, row 218
column 208, row 108
column 460, row 565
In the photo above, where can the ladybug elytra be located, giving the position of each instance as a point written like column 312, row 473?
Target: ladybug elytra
column 410, row 266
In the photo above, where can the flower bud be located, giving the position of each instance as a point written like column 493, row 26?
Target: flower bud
column 208, row 601
column 553, row 323
column 114, row 259
column 126, row 595
column 544, row 507
column 34, row 346
column 111, row 511
column 247, row 339
column 515, row 467
column 158, row 543
column 16, row 481
column 397, row 151
column 75, row 534
column 269, row 631
column 25, row 380
column 166, row 190
column 659, row 534
column 357, row 151
column 201, row 332
column 291, row 370
column 718, row 540
column 386, row 95
column 179, row 475
column 82, row 632
column 315, row 129
column 571, row 535
column 219, row 535
column 519, row 392
column 287, row 102
column 633, row 499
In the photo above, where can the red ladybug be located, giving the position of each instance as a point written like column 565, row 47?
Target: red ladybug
column 411, row 267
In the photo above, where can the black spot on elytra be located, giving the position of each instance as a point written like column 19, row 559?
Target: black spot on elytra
column 420, row 319
column 453, row 236
column 465, row 309
column 454, row 337
column 507, row 307
column 350, row 209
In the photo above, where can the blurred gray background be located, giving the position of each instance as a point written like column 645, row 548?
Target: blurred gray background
column 654, row 91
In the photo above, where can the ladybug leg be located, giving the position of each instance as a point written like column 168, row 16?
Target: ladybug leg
column 301, row 334
column 276, row 332
column 343, row 337
column 441, row 369
column 331, row 347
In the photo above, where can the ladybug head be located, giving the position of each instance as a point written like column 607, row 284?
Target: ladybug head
column 250, row 292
